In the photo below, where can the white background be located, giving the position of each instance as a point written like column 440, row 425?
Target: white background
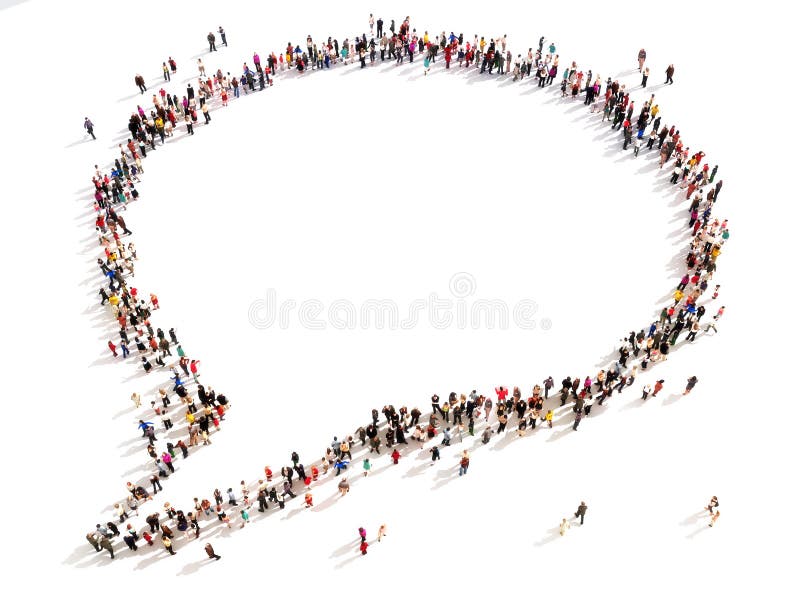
column 380, row 184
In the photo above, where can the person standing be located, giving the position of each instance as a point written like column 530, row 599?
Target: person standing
column 658, row 387
column 222, row 36
column 212, row 46
column 130, row 541
column 380, row 27
column 435, row 405
column 167, row 541
column 210, row 551
column 139, row 81
column 690, row 383
column 642, row 58
column 578, row 417
column 90, row 537
column 670, row 72
column 363, row 533
column 712, row 504
column 548, row 385
column 562, row 529
column 645, row 76
column 463, row 464
column 382, row 528
column 89, row 127
column 105, row 544
column 581, row 512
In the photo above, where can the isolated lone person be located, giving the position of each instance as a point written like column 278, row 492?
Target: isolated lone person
column 211, row 553
column 670, row 72
column 139, row 81
column 89, row 127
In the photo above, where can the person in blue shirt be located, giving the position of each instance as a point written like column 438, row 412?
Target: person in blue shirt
column 143, row 425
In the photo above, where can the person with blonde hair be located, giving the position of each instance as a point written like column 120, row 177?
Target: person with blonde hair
column 562, row 529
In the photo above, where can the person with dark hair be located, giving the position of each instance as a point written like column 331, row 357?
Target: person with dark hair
column 139, row 81
column 581, row 512
column 105, row 544
column 210, row 551
column 89, row 127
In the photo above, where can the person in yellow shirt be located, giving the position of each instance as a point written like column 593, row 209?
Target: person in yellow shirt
column 167, row 543
column 562, row 529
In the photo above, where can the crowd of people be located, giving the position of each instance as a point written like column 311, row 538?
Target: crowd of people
column 188, row 409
